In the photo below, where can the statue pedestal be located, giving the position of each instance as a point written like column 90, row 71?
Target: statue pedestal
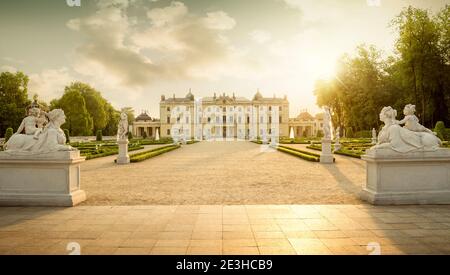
column 419, row 177
column 326, row 156
column 123, row 157
column 51, row 179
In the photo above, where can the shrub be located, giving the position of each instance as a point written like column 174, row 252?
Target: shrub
column 8, row 134
column 130, row 136
column 319, row 133
column 440, row 130
column 66, row 133
column 99, row 136
column 349, row 133
column 144, row 135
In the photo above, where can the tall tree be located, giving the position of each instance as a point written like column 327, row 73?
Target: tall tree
column 78, row 120
column 13, row 100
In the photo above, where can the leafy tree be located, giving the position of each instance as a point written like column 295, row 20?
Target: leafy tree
column 113, row 120
column 95, row 104
column 78, row 120
column 13, row 99
column 66, row 133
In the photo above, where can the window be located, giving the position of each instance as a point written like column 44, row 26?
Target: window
column 209, row 119
column 239, row 120
column 224, row 109
column 270, row 131
column 248, row 120
column 270, row 108
column 270, row 119
column 280, row 119
column 168, row 131
column 209, row 109
column 261, row 120
column 168, row 109
column 187, row 119
column 224, row 119
column 178, row 119
column 231, row 119
column 217, row 120
column 279, row 108
column 168, row 120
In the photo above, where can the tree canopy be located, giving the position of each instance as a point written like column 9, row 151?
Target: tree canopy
column 418, row 73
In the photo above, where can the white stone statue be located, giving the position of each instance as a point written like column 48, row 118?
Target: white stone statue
column 49, row 139
column 33, row 124
column 291, row 134
column 157, row 134
column 411, row 121
column 327, row 123
column 402, row 139
column 122, row 129
column 337, row 144
column 374, row 136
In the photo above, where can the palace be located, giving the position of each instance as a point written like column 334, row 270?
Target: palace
column 225, row 116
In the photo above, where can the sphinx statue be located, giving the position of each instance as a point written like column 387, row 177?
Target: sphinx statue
column 402, row 139
column 50, row 139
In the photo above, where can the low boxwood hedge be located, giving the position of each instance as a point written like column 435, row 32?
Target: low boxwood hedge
column 152, row 153
column 304, row 156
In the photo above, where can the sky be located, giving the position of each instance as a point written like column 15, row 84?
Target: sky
column 134, row 51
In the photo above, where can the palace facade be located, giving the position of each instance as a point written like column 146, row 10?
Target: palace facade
column 225, row 116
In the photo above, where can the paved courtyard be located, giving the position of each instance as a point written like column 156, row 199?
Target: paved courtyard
column 233, row 229
column 222, row 173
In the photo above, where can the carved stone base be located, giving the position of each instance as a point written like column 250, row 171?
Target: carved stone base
column 326, row 156
column 123, row 157
column 43, row 180
column 411, row 178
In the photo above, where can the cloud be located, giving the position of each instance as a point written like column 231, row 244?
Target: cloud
column 167, row 15
column 219, row 21
column 170, row 44
column 50, row 83
column 260, row 36
column 7, row 68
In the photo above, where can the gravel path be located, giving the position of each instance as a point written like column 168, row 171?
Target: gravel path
column 222, row 173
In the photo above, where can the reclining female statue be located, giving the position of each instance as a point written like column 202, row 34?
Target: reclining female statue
column 401, row 139
column 51, row 139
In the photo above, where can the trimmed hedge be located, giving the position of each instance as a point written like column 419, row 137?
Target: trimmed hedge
column 108, row 152
column 152, row 153
column 348, row 153
column 296, row 153
column 300, row 151
column 99, row 136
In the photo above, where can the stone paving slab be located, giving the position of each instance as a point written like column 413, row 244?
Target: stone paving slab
column 228, row 229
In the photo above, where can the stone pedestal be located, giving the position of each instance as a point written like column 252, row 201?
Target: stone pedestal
column 51, row 179
column 123, row 157
column 407, row 178
column 326, row 156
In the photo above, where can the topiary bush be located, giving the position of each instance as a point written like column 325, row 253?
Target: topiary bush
column 130, row 136
column 349, row 133
column 99, row 136
column 144, row 135
column 319, row 133
column 440, row 130
column 66, row 133
column 8, row 134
